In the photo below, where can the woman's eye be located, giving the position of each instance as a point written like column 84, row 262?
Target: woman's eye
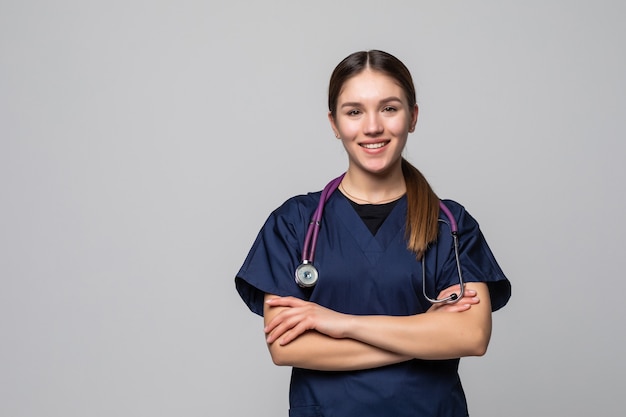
column 353, row 112
column 389, row 109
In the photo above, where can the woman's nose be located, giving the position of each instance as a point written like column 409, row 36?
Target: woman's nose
column 373, row 124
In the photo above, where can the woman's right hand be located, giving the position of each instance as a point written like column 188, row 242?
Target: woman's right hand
column 299, row 316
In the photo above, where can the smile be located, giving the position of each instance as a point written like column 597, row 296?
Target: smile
column 374, row 145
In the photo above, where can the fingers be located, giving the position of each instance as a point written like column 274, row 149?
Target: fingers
column 455, row 308
column 469, row 293
column 287, row 328
column 284, row 302
column 286, row 337
column 289, row 323
column 280, row 325
column 456, row 289
column 470, row 298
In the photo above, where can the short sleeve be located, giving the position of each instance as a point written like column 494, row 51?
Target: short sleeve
column 478, row 263
column 272, row 260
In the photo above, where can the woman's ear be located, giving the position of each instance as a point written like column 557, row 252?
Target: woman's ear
column 413, row 122
column 333, row 125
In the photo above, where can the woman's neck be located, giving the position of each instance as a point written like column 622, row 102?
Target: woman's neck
column 367, row 188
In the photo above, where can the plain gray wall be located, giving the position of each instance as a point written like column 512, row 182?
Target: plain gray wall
column 143, row 144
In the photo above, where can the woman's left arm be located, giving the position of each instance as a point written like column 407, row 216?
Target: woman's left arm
column 437, row 334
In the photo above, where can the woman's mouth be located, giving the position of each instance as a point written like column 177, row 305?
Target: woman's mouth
column 374, row 145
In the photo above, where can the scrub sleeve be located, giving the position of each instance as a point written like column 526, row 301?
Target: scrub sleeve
column 271, row 263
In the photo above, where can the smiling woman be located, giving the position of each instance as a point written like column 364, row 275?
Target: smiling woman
column 363, row 340
column 373, row 123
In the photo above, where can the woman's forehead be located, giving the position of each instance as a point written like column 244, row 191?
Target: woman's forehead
column 369, row 84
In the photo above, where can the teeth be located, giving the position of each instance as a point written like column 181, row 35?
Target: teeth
column 374, row 145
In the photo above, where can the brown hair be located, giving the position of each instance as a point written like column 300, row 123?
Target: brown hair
column 422, row 202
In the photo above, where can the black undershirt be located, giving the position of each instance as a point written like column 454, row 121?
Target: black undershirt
column 373, row 215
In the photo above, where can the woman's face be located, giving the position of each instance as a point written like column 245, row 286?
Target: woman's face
column 373, row 120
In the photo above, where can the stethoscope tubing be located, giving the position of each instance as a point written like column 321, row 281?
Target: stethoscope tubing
column 454, row 297
column 310, row 243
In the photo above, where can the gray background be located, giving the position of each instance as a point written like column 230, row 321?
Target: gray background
column 143, row 144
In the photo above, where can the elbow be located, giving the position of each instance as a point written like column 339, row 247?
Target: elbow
column 278, row 354
column 479, row 344
column 479, row 350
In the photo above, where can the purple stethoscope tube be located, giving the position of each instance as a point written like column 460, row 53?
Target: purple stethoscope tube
column 310, row 241
column 307, row 275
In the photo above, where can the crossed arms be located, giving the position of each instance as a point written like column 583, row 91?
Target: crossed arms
column 306, row 335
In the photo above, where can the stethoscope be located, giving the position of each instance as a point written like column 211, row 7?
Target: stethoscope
column 307, row 274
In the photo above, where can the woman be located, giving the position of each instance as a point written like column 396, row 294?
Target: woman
column 364, row 340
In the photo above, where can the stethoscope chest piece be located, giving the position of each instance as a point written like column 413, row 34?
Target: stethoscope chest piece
column 306, row 275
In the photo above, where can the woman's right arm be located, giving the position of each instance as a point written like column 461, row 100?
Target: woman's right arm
column 314, row 350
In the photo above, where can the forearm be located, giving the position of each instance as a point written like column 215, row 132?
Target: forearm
column 428, row 336
column 432, row 336
column 313, row 350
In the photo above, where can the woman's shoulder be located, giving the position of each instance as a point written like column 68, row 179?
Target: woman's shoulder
column 298, row 206
column 454, row 206
column 462, row 217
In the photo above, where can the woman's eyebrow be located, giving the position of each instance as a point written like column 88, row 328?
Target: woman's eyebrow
column 383, row 101
column 391, row 99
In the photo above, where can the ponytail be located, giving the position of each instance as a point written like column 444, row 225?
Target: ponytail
column 422, row 210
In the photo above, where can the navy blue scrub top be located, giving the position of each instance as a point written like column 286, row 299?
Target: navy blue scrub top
column 369, row 275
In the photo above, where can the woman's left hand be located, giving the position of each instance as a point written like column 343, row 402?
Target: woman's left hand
column 300, row 316
column 470, row 298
